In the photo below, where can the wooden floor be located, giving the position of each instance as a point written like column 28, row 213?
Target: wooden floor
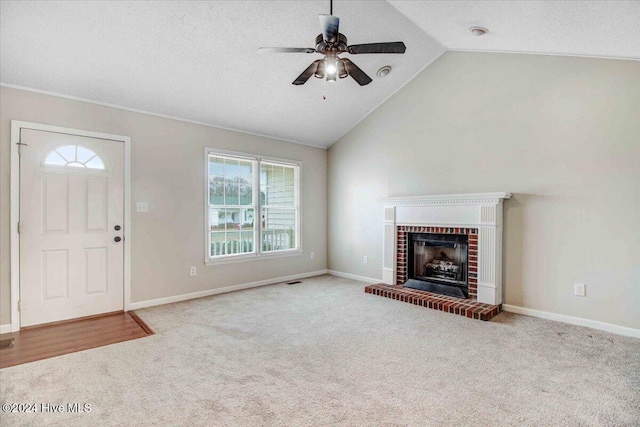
column 55, row 339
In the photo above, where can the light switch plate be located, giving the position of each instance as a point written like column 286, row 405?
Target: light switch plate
column 142, row 207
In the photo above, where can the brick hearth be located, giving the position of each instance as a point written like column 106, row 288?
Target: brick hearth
column 463, row 307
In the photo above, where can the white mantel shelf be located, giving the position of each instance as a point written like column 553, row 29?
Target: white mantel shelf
column 471, row 198
column 477, row 210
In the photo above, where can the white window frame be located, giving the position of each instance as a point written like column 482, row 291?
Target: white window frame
column 257, row 213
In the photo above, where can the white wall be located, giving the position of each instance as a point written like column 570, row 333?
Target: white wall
column 167, row 171
column 562, row 134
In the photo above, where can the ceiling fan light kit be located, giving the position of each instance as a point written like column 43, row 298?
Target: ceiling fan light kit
column 331, row 44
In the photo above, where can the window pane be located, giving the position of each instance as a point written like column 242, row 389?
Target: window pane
column 279, row 229
column 289, row 176
column 68, row 152
column 264, row 195
column 233, row 243
column 278, row 185
column 269, row 216
column 95, row 163
column 231, row 170
column 287, row 239
column 246, row 219
column 84, row 154
column 288, row 196
column 272, row 175
column 215, row 216
column 277, row 195
column 267, row 240
column 232, row 219
column 231, row 194
column 245, row 170
column 278, row 176
column 74, row 156
column 217, row 243
column 247, row 241
column 266, row 171
column 216, row 167
column 246, row 195
column 232, row 212
column 216, row 181
column 55, row 159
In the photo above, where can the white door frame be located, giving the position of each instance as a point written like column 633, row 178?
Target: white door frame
column 16, row 127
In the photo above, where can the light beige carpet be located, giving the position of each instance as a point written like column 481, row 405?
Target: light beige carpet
column 324, row 353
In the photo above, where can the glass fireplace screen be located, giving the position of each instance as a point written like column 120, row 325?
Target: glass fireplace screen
column 440, row 258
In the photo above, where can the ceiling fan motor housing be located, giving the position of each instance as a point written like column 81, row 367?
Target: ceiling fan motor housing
column 340, row 46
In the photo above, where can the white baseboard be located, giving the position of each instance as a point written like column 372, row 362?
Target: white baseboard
column 5, row 329
column 594, row 324
column 354, row 276
column 209, row 292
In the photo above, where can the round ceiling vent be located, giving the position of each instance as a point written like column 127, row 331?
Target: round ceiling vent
column 384, row 71
column 478, row 31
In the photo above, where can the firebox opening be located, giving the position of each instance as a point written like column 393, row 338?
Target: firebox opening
column 438, row 263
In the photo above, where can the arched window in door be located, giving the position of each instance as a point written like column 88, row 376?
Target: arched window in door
column 74, row 156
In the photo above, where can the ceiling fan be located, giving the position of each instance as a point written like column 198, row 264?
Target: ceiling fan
column 331, row 44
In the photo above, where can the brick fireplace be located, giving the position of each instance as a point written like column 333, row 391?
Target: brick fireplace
column 402, row 251
column 478, row 217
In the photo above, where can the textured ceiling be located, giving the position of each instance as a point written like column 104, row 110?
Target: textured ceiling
column 608, row 29
column 197, row 60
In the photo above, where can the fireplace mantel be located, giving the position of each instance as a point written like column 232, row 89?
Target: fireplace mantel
column 447, row 199
column 478, row 210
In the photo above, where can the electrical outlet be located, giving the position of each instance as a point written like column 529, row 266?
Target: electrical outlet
column 192, row 271
column 365, row 259
column 142, row 207
column 312, row 255
column 580, row 289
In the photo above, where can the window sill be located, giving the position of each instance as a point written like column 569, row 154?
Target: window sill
column 252, row 257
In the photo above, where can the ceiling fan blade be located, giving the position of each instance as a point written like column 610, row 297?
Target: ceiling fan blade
column 391, row 47
column 306, row 74
column 358, row 75
column 329, row 25
column 286, row 50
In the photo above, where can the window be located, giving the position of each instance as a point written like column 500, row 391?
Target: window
column 231, row 205
column 252, row 207
column 279, row 211
column 75, row 156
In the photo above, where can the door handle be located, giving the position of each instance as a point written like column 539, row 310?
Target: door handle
column 117, row 228
column 117, row 238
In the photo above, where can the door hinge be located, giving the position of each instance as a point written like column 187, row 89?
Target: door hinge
column 19, row 305
column 20, row 144
column 19, row 228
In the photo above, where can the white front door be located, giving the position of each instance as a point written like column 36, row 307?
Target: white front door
column 71, row 226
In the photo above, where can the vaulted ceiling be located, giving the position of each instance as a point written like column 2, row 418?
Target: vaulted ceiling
column 197, row 61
